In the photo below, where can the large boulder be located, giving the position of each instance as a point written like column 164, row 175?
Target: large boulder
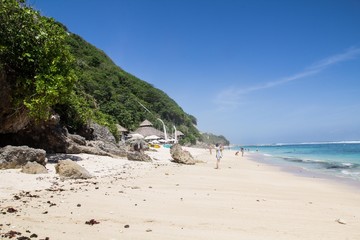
column 18, row 156
column 33, row 168
column 138, row 156
column 70, row 169
column 181, row 156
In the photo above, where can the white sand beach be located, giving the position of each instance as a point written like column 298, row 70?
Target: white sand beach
column 243, row 199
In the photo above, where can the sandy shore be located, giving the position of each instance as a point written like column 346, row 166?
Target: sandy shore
column 162, row 200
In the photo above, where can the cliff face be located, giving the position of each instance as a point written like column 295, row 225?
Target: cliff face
column 12, row 119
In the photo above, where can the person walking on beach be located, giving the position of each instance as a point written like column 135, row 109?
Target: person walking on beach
column 218, row 155
column 242, row 152
column 221, row 148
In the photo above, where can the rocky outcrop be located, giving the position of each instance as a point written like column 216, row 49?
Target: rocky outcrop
column 33, row 168
column 17, row 129
column 109, row 147
column 45, row 135
column 77, row 149
column 76, row 144
column 102, row 133
column 77, row 139
column 18, row 156
column 70, row 169
column 53, row 138
column 181, row 156
column 99, row 142
column 95, row 147
column 97, row 132
column 138, row 156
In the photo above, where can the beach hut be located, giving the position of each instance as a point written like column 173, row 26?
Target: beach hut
column 176, row 136
column 179, row 134
column 122, row 132
column 146, row 129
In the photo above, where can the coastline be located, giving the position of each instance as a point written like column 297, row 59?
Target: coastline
column 306, row 173
column 244, row 199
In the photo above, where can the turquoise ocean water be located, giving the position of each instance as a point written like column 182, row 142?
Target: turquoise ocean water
column 340, row 159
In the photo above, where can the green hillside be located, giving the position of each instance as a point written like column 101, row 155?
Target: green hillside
column 211, row 139
column 48, row 68
column 119, row 97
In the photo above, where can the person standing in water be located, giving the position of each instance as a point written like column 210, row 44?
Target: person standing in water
column 218, row 155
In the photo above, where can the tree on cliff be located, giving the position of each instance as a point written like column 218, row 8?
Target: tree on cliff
column 35, row 58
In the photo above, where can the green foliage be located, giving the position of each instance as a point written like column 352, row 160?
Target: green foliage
column 32, row 50
column 43, row 57
column 76, row 111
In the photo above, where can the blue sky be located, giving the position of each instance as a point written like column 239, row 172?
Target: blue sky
column 253, row 71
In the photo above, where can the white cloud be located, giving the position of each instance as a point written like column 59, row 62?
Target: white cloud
column 228, row 98
column 231, row 96
column 347, row 55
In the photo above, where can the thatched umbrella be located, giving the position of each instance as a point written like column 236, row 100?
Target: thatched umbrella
column 135, row 136
column 137, row 142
